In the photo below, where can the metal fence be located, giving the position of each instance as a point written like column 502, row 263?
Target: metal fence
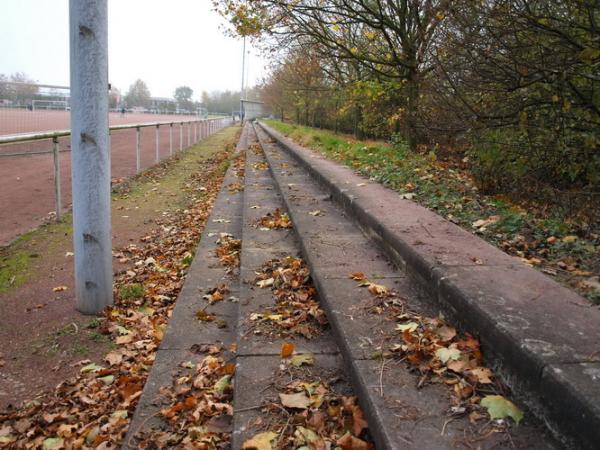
column 181, row 134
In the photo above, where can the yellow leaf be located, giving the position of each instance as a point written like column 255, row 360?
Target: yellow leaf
column 261, row 441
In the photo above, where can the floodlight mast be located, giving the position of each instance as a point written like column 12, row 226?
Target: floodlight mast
column 90, row 154
column 243, row 77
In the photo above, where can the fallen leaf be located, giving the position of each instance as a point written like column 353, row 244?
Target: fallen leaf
column 446, row 333
column 485, row 222
column 108, row 379
column 306, row 359
column 298, row 400
column 261, row 441
column 287, row 349
column 265, row 283
column 127, row 339
column 223, row 384
column 410, row 327
column 59, row 289
column 482, row 375
column 349, row 442
column 52, row 443
column 408, row 196
column 305, row 436
column 447, row 354
column 91, row 368
column 204, row 316
column 357, row 276
column 378, row 289
column 316, row 212
column 499, row 408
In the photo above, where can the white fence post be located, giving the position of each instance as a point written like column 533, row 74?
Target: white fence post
column 57, row 187
column 138, row 150
column 90, row 154
column 195, row 132
column 171, row 139
column 181, row 136
column 189, row 127
column 157, row 144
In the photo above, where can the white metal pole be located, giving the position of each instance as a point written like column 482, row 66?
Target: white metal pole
column 157, row 144
column 181, row 136
column 138, row 150
column 243, row 76
column 90, row 154
column 171, row 139
column 57, row 193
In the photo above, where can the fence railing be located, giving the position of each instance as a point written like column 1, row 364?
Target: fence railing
column 196, row 130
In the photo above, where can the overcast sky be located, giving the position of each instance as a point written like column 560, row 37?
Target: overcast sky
column 165, row 43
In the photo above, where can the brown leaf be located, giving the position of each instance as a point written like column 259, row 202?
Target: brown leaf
column 298, row 400
column 287, row 349
column 349, row 442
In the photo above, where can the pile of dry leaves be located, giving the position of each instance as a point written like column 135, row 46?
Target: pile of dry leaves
column 439, row 354
column 94, row 408
column 309, row 411
column 199, row 410
column 256, row 148
column 228, row 251
column 296, row 311
column 275, row 220
column 262, row 165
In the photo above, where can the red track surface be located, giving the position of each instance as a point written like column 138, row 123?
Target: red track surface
column 27, row 182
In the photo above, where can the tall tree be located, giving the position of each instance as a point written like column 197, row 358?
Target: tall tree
column 138, row 95
column 183, row 96
column 386, row 39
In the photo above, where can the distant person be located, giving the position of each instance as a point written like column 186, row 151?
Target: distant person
column 122, row 111
column 30, row 107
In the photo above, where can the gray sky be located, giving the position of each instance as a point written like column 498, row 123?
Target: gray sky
column 165, row 43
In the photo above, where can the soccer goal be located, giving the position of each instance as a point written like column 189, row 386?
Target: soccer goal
column 57, row 105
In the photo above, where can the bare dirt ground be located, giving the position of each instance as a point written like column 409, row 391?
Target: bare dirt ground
column 27, row 182
column 43, row 337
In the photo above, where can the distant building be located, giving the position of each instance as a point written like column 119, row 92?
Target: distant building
column 162, row 105
column 252, row 109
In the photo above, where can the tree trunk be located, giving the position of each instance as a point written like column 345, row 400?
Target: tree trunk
column 412, row 109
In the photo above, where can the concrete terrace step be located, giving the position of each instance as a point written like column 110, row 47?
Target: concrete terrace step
column 400, row 414
column 542, row 337
column 185, row 333
column 258, row 356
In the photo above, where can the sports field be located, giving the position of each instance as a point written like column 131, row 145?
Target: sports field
column 27, row 182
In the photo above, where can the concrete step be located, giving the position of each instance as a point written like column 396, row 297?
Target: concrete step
column 400, row 415
column 186, row 337
column 259, row 362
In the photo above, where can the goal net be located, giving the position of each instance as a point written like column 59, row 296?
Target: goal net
column 58, row 105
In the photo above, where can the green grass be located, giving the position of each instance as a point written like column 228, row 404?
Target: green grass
column 131, row 291
column 453, row 194
column 17, row 261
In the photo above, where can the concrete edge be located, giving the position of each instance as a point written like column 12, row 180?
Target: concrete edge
column 510, row 357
